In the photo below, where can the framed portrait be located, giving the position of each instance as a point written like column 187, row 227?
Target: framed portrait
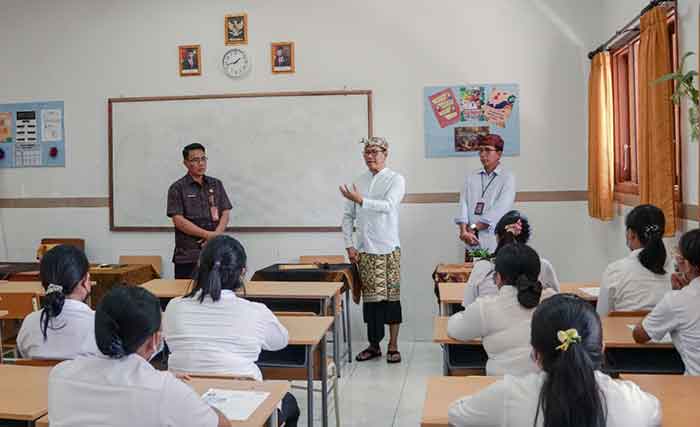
column 190, row 60
column 236, row 29
column 282, row 57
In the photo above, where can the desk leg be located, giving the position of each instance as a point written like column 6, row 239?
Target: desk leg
column 273, row 421
column 347, row 320
column 1, row 350
column 336, row 335
column 324, row 384
column 310, row 385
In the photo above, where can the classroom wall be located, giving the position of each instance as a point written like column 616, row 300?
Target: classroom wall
column 83, row 52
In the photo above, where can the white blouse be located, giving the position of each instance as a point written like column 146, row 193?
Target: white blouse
column 678, row 313
column 482, row 280
column 628, row 286
column 504, row 325
column 99, row 391
column 512, row 402
column 377, row 219
column 224, row 337
column 69, row 335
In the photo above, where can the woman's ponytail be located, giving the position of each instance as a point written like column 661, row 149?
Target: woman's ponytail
column 529, row 291
column 220, row 266
column 648, row 223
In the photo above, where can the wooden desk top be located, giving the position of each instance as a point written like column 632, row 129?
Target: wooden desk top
column 678, row 395
column 292, row 290
column 616, row 333
column 3, row 313
column 23, row 392
column 306, row 330
column 454, row 268
column 452, row 293
column 22, row 287
column 168, row 288
column 440, row 333
column 42, row 422
column 277, row 389
column 575, row 288
column 442, row 391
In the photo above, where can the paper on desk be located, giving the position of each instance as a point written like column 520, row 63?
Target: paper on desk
column 236, row 405
column 592, row 291
column 665, row 340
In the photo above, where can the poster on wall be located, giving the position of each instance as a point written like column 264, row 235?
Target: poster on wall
column 455, row 116
column 32, row 135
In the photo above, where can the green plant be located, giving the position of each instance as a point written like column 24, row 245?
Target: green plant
column 685, row 87
column 480, row 253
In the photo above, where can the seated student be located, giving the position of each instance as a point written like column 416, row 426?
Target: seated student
column 678, row 312
column 639, row 280
column 570, row 390
column 512, row 227
column 120, row 388
column 211, row 330
column 65, row 327
column 503, row 320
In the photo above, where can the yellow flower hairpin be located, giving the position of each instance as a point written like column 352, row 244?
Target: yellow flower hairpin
column 567, row 337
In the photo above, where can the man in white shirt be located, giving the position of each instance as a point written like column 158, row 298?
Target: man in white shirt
column 372, row 208
column 486, row 196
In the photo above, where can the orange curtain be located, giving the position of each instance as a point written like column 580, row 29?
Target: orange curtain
column 600, row 138
column 655, row 139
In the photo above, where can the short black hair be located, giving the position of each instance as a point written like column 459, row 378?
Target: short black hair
column 191, row 147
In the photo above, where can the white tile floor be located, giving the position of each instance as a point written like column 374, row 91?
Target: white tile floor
column 378, row 394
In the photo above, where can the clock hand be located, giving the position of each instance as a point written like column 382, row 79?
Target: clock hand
column 236, row 61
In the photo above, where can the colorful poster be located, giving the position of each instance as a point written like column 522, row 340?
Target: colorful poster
column 32, row 134
column 455, row 117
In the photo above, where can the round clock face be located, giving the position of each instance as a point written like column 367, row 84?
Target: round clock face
column 236, row 63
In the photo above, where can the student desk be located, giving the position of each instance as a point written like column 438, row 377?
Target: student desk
column 442, row 391
column 324, row 294
column 623, row 355
column 575, row 288
column 450, row 273
column 3, row 313
column 320, row 272
column 678, row 395
column 308, row 332
column 451, row 295
column 265, row 415
column 23, row 392
column 468, row 356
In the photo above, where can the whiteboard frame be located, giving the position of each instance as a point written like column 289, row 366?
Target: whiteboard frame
column 261, row 229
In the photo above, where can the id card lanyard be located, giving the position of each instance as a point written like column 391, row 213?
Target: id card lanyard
column 213, row 209
column 479, row 208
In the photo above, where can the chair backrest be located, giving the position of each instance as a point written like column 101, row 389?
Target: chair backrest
column 38, row 362
column 18, row 305
column 155, row 260
column 322, row 259
column 72, row 241
column 636, row 313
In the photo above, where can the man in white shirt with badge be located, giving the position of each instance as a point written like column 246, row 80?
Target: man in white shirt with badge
column 487, row 195
column 372, row 208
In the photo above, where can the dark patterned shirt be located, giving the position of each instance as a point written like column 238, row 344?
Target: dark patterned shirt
column 188, row 198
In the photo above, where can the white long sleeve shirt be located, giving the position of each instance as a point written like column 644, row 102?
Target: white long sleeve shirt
column 628, row 286
column 496, row 191
column 512, row 402
column 377, row 219
column 223, row 337
column 482, row 280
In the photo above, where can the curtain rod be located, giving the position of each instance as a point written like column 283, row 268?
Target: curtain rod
column 626, row 28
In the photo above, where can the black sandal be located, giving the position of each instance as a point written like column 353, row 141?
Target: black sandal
column 368, row 354
column 393, row 356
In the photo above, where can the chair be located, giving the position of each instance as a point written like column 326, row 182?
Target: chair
column 636, row 313
column 38, row 362
column 72, row 241
column 154, row 260
column 331, row 368
column 18, row 306
column 322, row 259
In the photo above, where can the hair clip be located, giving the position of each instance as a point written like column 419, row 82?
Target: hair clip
column 566, row 338
column 53, row 288
column 515, row 228
column 651, row 229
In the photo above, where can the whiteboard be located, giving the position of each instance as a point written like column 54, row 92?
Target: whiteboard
column 280, row 156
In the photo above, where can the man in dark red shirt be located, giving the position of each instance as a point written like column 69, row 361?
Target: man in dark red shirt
column 199, row 208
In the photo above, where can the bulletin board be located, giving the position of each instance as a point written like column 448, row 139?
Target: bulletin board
column 32, row 134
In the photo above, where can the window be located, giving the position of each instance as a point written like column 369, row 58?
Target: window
column 625, row 66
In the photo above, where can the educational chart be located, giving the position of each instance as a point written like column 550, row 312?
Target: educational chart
column 32, row 135
column 455, row 116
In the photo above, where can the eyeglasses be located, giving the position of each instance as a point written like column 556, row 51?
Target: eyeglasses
column 372, row 152
column 486, row 149
column 198, row 160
